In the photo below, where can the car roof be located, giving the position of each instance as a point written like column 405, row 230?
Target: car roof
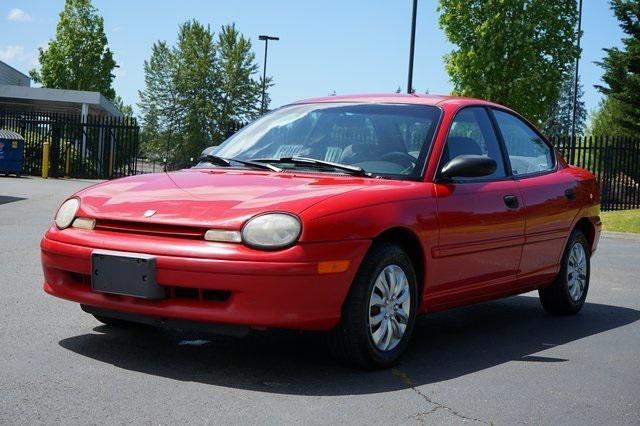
column 403, row 98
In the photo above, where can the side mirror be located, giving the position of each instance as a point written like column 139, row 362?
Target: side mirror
column 469, row 166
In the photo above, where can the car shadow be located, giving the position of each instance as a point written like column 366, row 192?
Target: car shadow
column 5, row 199
column 445, row 346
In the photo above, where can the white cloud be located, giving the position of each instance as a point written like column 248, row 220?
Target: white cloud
column 15, row 54
column 18, row 15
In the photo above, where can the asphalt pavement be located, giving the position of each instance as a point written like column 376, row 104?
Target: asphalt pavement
column 502, row 362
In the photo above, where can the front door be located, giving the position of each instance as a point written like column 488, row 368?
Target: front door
column 481, row 220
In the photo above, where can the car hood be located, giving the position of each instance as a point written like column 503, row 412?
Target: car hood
column 198, row 197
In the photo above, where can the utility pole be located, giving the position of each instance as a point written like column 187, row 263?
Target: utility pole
column 266, row 39
column 412, row 46
column 575, row 79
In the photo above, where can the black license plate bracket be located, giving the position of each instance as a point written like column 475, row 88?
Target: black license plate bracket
column 126, row 274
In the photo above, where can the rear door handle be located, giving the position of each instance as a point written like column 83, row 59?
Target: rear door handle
column 511, row 201
column 570, row 194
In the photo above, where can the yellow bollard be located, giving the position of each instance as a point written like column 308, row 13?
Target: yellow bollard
column 45, row 160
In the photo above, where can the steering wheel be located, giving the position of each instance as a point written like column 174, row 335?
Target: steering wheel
column 400, row 158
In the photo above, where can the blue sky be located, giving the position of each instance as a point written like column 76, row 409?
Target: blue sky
column 350, row 46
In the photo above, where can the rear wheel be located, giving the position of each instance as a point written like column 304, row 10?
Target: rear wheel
column 568, row 293
column 379, row 313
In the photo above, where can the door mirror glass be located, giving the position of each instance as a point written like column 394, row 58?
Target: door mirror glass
column 468, row 166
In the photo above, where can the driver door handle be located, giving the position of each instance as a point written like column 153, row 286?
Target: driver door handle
column 511, row 201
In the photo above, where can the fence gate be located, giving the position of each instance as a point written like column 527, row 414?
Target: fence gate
column 614, row 160
column 97, row 147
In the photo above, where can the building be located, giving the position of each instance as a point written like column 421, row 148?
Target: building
column 88, row 136
column 16, row 94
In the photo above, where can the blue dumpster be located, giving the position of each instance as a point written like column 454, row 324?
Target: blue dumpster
column 11, row 152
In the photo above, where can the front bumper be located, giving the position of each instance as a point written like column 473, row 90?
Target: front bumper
column 211, row 282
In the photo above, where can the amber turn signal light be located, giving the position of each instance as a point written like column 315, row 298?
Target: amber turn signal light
column 333, row 266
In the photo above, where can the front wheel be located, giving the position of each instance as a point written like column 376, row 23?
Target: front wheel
column 379, row 313
column 568, row 292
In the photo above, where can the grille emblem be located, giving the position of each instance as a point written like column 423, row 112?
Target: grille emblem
column 149, row 213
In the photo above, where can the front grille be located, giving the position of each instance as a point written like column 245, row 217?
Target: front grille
column 173, row 292
column 175, row 231
column 198, row 294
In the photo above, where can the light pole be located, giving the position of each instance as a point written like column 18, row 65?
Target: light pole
column 575, row 79
column 266, row 39
column 412, row 46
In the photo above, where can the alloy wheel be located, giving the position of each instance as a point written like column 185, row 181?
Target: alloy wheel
column 577, row 271
column 389, row 308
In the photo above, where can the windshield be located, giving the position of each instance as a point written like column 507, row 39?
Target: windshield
column 383, row 139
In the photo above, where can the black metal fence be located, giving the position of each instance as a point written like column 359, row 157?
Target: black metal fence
column 96, row 147
column 102, row 147
column 614, row 160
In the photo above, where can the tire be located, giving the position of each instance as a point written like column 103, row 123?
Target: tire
column 567, row 294
column 115, row 322
column 352, row 342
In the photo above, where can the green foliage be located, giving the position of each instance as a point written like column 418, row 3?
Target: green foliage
column 78, row 58
column 515, row 52
column 607, row 119
column 197, row 82
column 125, row 109
column 197, row 92
column 622, row 71
column 560, row 115
column 159, row 104
column 242, row 93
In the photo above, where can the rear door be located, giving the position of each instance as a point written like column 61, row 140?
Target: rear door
column 481, row 220
column 548, row 195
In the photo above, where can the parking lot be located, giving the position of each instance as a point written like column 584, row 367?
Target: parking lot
column 502, row 362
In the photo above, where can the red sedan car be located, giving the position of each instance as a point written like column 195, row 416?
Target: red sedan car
column 351, row 215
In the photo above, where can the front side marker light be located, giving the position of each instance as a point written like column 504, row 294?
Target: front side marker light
column 223, row 235
column 84, row 223
column 333, row 266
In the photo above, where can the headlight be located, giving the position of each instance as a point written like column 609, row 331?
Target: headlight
column 67, row 212
column 271, row 230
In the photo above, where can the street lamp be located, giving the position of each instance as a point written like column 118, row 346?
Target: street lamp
column 412, row 47
column 266, row 39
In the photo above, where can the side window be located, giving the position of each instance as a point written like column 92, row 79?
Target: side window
column 472, row 134
column 528, row 153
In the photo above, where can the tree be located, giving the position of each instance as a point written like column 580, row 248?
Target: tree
column 125, row 109
column 198, row 85
column 515, row 52
column 241, row 94
column 159, row 104
column 78, row 58
column 607, row 119
column 559, row 119
column 622, row 70
column 198, row 91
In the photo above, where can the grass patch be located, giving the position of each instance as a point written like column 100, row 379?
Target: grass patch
column 621, row 221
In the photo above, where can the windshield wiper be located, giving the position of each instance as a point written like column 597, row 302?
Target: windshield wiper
column 214, row 159
column 226, row 162
column 256, row 165
column 354, row 170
